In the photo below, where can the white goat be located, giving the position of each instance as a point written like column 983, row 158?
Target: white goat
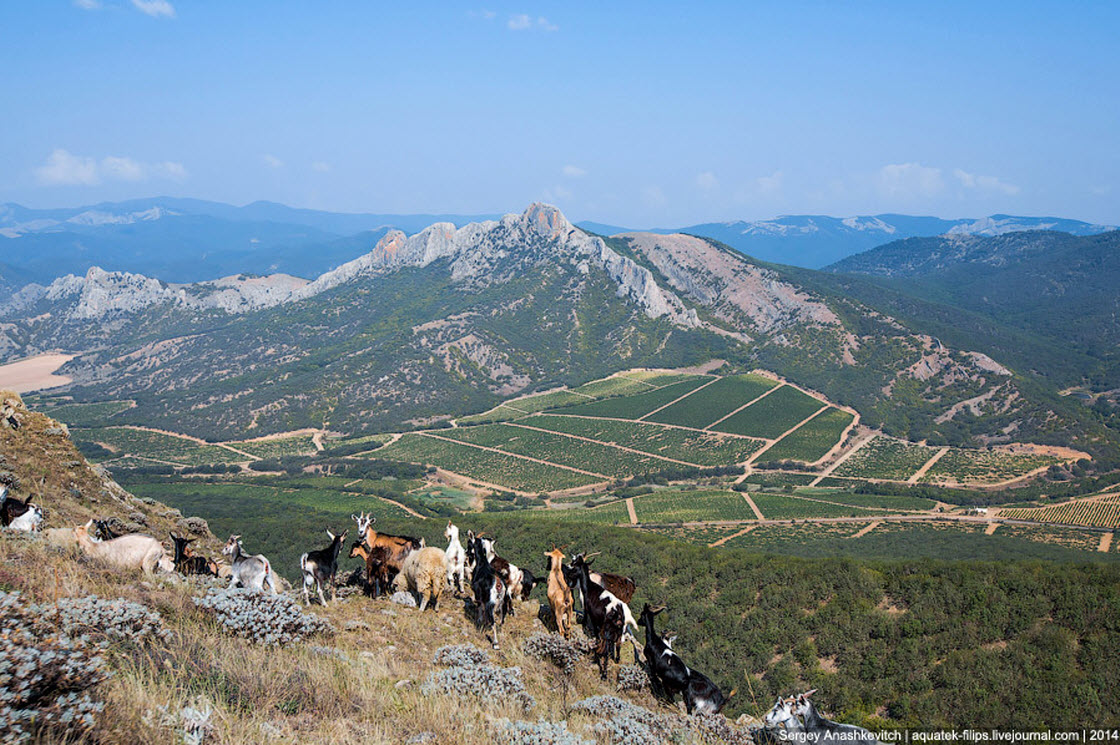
column 456, row 560
column 134, row 551
column 424, row 572
column 253, row 572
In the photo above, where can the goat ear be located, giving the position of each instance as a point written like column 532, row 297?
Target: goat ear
column 353, row 517
column 330, row 534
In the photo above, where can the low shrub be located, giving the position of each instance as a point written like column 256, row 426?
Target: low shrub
column 262, row 617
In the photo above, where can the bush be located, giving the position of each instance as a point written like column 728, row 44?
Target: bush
column 460, row 655
column 553, row 648
column 262, row 617
column 45, row 676
column 115, row 620
column 486, row 682
column 633, row 678
column 536, row 733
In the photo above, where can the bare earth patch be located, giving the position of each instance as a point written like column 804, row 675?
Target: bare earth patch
column 35, row 373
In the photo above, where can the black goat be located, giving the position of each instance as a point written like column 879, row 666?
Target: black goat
column 320, row 566
column 489, row 590
column 185, row 561
column 103, row 531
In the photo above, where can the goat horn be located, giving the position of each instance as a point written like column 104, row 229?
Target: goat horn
column 592, row 555
column 657, row 609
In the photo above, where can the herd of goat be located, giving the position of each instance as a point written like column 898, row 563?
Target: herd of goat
column 475, row 572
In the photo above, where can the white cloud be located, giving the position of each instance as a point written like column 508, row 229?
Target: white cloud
column 523, row 22
column 154, row 8
column 573, row 171
column 272, row 161
column 488, row 15
column 707, row 181
column 65, row 169
column 170, row 170
column 62, row 168
column 909, row 180
column 88, row 4
column 122, row 169
column 984, row 183
column 320, row 166
column 770, row 184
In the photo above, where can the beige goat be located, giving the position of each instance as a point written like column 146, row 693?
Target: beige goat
column 133, row 551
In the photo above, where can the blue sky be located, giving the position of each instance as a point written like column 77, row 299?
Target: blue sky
column 632, row 113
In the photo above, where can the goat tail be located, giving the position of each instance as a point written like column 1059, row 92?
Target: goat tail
column 302, row 563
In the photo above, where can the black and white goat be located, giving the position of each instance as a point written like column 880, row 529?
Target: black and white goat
column 319, row 567
column 604, row 618
column 488, row 588
column 669, row 675
column 17, row 515
column 581, row 563
column 825, row 730
column 103, row 531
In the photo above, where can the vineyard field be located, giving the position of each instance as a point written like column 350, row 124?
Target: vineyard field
column 633, row 407
column 780, row 507
column 715, row 401
column 1095, row 513
column 483, row 465
column 672, row 506
column 968, row 466
column 157, row 446
column 886, row 458
column 813, row 440
column 771, row 416
column 701, row 448
column 554, row 448
column 277, row 448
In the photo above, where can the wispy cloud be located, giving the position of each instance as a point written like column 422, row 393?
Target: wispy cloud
column 155, row 8
column 573, row 171
column 707, row 181
column 985, row 183
column 272, row 161
column 88, row 4
column 525, row 22
column 320, row 166
column 63, row 168
column 909, row 180
column 488, row 15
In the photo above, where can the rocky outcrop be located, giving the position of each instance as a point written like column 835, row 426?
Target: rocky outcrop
column 734, row 289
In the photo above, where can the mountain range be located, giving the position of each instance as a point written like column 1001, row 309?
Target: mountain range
column 452, row 320
column 189, row 240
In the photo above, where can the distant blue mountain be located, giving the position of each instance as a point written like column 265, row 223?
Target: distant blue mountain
column 815, row 241
column 188, row 240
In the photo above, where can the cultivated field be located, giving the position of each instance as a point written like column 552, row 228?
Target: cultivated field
column 157, row 446
column 773, row 415
column 672, row 506
column 985, row 466
column 1099, row 513
column 812, row 441
column 701, row 448
column 886, row 458
column 715, row 401
column 483, row 465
